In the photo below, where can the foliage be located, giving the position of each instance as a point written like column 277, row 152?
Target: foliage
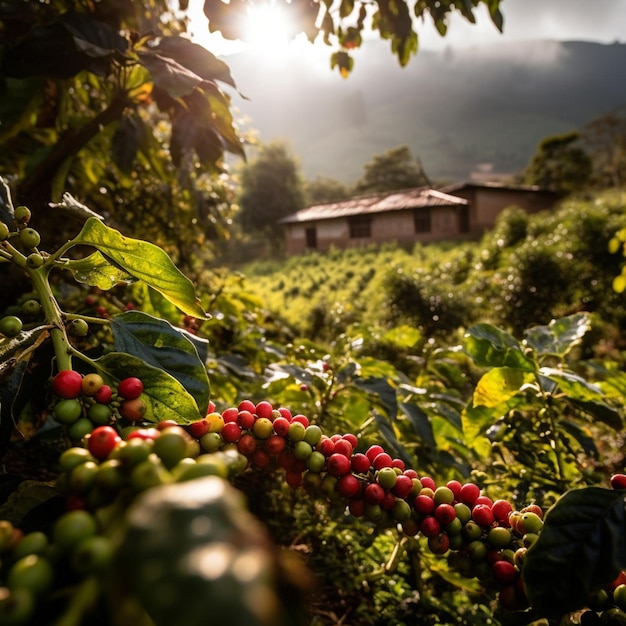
column 395, row 169
column 271, row 188
column 321, row 190
column 343, row 24
column 559, row 164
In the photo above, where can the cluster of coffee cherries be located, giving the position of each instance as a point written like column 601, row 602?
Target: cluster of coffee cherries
column 83, row 402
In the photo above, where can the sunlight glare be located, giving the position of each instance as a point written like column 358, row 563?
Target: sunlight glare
column 267, row 28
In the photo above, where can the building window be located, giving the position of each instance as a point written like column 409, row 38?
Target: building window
column 360, row 226
column 311, row 237
column 421, row 219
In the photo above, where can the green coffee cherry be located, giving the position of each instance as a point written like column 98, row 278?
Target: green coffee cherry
column 10, row 325
column 30, row 238
column 34, row 260
column 22, row 214
column 4, row 231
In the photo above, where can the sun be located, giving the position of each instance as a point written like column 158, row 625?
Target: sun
column 267, row 28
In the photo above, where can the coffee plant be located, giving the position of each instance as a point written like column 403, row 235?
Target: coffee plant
column 129, row 505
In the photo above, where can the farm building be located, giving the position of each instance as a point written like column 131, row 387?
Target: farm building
column 422, row 214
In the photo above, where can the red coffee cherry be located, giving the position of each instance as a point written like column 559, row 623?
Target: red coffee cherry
column 67, row 384
column 130, row 388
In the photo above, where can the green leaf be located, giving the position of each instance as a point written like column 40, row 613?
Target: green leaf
column 385, row 392
column 421, row 423
column 165, row 397
column 403, row 336
column 581, row 548
column 489, row 346
column 195, row 58
column 169, row 75
column 144, row 261
column 560, row 336
column 95, row 271
column 161, row 345
column 499, row 385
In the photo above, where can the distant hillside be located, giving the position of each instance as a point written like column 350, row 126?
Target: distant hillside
column 460, row 111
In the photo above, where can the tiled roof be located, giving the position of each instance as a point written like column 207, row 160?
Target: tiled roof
column 379, row 203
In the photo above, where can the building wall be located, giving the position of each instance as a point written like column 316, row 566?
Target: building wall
column 393, row 226
column 486, row 204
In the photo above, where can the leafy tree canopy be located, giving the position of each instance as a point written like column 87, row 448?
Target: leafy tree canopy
column 394, row 169
column 560, row 163
column 321, row 190
column 271, row 188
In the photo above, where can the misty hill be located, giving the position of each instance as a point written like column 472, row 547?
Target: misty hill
column 461, row 111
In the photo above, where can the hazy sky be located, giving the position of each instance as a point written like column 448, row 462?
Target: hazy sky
column 588, row 20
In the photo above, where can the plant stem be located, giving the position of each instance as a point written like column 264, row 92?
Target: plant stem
column 53, row 317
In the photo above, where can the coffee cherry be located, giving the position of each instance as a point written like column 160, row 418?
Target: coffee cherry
column 31, row 572
column 91, row 383
column 618, row 481
column 99, row 414
column 67, row 384
column 10, row 326
column 34, row 260
column 78, row 328
column 102, row 441
column 104, row 395
column 22, row 214
column 130, row 388
column 72, row 528
column 171, row 446
column 67, row 411
column 30, row 238
column 133, row 410
column 80, row 428
column 4, row 231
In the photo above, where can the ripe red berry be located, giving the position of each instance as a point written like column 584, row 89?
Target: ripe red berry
column 439, row 544
column 374, row 451
column 102, row 441
column 424, row 505
column 199, row 428
column 260, row 458
column 348, row 486
column 360, row 463
column 293, row 479
column 381, row 460
column 274, row 445
column 469, row 493
column 281, row 426
column 501, row 510
column 130, row 388
column 338, row 464
column 104, row 395
column 430, row 527
column 398, row 464
column 428, row 482
column 533, row 508
column 357, row 507
column 67, row 384
column 230, row 414
column 286, row 413
column 303, row 419
column 264, row 409
column 245, row 419
column 482, row 515
column 455, row 486
column 246, row 445
column 353, row 439
column 504, row 573
column 231, row 432
column 445, row 514
column 483, row 500
column 246, row 405
column 374, row 493
column 343, row 446
column 403, row 486
column 326, row 446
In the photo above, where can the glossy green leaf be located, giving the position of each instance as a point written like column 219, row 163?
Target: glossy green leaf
column 489, row 346
column 581, row 548
column 94, row 270
column 165, row 397
column 559, row 336
column 420, row 422
column 161, row 345
column 381, row 388
column 144, row 261
column 499, row 385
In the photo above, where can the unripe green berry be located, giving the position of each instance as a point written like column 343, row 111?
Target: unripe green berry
column 34, row 260
column 78, row 328
column 22, row 214
column 30, row 238
column 4, row 231
column 10, row 326
column 31, row 308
